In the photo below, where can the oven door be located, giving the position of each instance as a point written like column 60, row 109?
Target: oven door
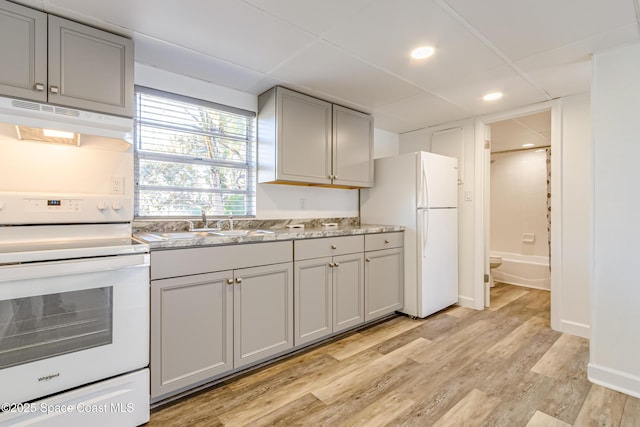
column 68, row 323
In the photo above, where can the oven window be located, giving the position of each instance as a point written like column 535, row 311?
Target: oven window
column 45, row 326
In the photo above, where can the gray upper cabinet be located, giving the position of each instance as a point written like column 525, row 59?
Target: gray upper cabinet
column 89, row 68
column 352, row 148
column 23, row 49
column 302, row 139
column 63, row 62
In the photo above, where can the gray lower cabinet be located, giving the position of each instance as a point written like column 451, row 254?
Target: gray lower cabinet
column 262, row 312
column 384, row 274
column 191, row 330
column 329, row 290
column 207, row 321
column 64, row 62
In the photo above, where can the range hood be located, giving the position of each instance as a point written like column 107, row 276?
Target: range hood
column 47, row 116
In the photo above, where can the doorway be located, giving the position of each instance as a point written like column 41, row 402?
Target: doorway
column 517, row 180
column 483, row 159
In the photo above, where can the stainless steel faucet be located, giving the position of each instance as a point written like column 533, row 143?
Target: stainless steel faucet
column 230, row 219
column 204, row 218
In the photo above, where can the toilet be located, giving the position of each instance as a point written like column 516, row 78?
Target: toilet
column 494, row 262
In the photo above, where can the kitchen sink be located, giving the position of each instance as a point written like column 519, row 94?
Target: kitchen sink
column 241, row 232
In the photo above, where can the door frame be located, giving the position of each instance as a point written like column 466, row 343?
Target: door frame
column 483, row 212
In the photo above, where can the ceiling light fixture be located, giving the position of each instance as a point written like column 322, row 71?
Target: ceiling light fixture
column 492, row 96
column 528, row 145
column 58, row 134
column 422, row 52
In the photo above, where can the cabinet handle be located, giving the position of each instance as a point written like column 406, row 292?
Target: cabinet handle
column 39, row 87
column 238, row 279
column 368, row 259
column 335, row 264
column 54, row 89
column 229, row 281
column 330, row 265
column 386, row 242
column 334, row 247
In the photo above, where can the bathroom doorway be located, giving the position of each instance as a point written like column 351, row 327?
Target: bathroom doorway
column 519, row 186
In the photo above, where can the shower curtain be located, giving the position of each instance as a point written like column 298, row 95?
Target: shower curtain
column 548, row 152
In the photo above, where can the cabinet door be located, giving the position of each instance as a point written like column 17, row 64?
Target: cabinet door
column 313, row 299
column 304, row 138
column 89, row 68
column 263, row 312
column 348, row 291
column 191, row 330
column 352, row 148
column 23, row 49
column 384, row 288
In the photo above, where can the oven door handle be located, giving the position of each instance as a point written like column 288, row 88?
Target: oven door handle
column 36, row 270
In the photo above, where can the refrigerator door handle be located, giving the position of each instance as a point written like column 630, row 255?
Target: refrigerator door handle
column 425, row 228
column 423, row 188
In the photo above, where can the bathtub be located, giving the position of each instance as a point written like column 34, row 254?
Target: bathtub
column 523, row 270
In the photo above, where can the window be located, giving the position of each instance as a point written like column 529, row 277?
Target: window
column 192, row 156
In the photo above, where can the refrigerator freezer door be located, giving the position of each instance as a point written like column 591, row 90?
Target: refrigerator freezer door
column 438, row 181
column 438, row 260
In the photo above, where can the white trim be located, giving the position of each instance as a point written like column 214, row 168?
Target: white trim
column 574, row 328
column 614, row 379
column 466, row 302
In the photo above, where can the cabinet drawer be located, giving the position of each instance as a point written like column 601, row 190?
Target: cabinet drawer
column 183, row 262
column 375, row 242
column 329, row 246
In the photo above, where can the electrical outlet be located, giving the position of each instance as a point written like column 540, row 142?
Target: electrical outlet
column 117, row 184
column 303, row 203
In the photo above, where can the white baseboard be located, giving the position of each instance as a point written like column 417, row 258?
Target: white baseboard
column 467, row 302
column 575, row 328
column 615, row 380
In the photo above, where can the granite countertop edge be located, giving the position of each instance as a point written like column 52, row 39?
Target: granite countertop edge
column 275, row 236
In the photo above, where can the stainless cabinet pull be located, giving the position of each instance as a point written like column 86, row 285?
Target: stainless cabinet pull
column 229, row 281
column 39, row 87
column 335, row 264
column 386, row 242
column 238, row 280
column 368, row 259
column 330, row 265
column 334, row 247
column 53, row 89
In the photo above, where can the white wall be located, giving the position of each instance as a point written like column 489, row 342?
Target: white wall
column 576, row 215
column 615, row 290
column 519, row 202
column 467, row 245
column 272, row 201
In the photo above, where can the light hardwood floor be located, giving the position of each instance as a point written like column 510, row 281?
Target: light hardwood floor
column 460, row 367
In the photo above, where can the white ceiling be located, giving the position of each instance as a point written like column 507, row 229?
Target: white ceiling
column 356, row 52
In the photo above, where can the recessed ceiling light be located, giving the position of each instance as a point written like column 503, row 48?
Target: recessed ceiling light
column 422, row 52
column 492, row 96
column 528, row 145
column 58, row 134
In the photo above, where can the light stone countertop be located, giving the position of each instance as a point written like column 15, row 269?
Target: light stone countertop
column 186, row 239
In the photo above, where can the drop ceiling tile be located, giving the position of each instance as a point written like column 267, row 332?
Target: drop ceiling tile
column 424, row 110
column 517, row 92
column 520, row 28
column 537, row 122
column 186, row 62
column 234, row 31
column 393, row 124
column 564, row 80
column 385, row 33
column 330, row 71
column 315, row 17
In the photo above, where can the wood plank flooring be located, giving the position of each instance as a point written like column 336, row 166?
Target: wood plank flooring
column 459, row 367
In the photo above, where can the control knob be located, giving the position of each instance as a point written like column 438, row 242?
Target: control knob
column 101, row 205
column 116, row 205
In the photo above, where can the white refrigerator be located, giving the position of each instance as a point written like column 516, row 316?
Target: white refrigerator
column 420, row 191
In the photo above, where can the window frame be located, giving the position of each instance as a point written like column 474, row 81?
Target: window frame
column 250, row 155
